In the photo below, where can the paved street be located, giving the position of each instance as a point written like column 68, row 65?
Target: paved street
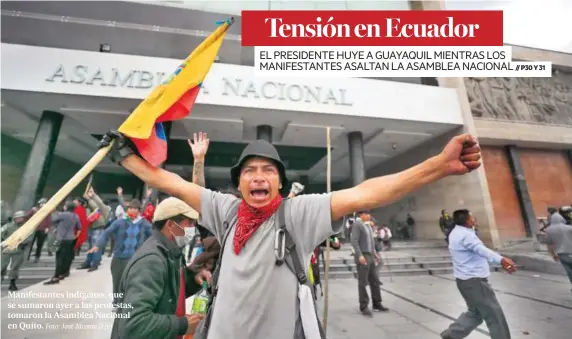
column 421, row 307
column 537, row 307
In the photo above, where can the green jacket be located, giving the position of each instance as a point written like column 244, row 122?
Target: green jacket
column 94, row 203
column 150, row 283
column 8, row 229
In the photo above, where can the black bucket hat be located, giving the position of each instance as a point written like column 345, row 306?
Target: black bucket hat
column 259, row 149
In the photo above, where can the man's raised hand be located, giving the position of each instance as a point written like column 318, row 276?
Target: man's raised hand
column 199, row 145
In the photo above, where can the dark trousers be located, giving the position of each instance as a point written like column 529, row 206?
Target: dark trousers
column 566, row 261
column 368, row 273
column 39, row 239
column 94, row 259
column 64, row 258
column 117, row 268
column 112, row 244
column 387, row 244
column 482, row 305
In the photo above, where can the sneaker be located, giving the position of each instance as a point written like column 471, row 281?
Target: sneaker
column 91, row 269
column 367, row 312
column 380, row 308
column 13, row 286
column 37, row 260
column 83, row 267
column 52, row 281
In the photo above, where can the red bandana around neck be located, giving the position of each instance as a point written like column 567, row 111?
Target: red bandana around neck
column 250, row 218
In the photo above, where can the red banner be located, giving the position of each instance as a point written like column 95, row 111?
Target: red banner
column 372, row 28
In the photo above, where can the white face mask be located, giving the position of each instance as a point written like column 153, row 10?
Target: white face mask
column 181, row 240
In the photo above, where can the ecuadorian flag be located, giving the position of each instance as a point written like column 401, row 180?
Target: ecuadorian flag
column 173, row 99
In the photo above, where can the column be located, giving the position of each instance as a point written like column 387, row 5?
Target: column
column 39, row 161
column 264, row 132
column 357, row 158
column 480, row 201
column 167, row 125
column 521, row 190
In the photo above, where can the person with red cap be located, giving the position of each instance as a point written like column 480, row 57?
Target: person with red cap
column 266, row 240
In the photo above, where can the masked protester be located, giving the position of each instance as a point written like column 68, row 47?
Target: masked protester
column 17, row 257
column 157, row 309
column 251, row 229
column 130, row 233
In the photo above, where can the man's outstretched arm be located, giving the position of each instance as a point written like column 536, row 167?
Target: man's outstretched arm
column 460, row 156
column 168, row 182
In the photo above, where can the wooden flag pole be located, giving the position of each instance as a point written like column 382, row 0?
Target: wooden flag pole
column 30, row 226
column 327, row 268
column 88, row 185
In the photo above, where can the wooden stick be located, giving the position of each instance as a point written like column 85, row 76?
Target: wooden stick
column 88, row 184
column 30, row 226
column 327, row 268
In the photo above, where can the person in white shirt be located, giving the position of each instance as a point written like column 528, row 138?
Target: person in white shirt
column 385, row 237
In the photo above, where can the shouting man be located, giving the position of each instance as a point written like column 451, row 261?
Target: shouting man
column 258, row 296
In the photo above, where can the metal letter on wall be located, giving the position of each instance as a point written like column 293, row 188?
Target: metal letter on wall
column 541, row 100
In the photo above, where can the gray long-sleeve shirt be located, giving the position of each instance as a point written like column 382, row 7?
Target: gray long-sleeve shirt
column 95, row 203
column 362, row 238
column 67, row 223
column 559, row 234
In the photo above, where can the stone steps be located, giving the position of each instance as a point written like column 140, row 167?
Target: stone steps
column 408, row 245
column 384, row 273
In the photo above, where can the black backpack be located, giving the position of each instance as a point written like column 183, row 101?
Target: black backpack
column 290, row 257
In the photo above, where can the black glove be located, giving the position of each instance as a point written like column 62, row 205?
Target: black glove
column 122, row 147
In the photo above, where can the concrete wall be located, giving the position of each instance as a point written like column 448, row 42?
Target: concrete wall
column 425, row 205
column 13, row 161
column 523, row 134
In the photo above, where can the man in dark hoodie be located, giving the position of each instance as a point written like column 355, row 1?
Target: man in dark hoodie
column 130, row 233
column 155, row 298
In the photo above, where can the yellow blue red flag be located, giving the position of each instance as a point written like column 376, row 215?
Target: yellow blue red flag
column 173, row 99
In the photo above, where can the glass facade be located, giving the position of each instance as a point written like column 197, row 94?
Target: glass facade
column 234, row 7
column 542, row 24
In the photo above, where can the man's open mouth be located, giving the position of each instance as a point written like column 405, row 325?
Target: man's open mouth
column 258, row 194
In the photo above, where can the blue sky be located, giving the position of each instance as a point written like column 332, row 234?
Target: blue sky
column 544, row 24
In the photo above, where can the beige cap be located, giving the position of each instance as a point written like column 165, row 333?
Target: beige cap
column 172, row 207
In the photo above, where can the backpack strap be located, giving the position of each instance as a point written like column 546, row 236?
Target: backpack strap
column 295, row 264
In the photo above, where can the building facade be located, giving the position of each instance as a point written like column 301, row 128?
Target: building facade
column 71, row 71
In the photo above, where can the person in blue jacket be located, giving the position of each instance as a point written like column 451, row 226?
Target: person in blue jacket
column 130, row 233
